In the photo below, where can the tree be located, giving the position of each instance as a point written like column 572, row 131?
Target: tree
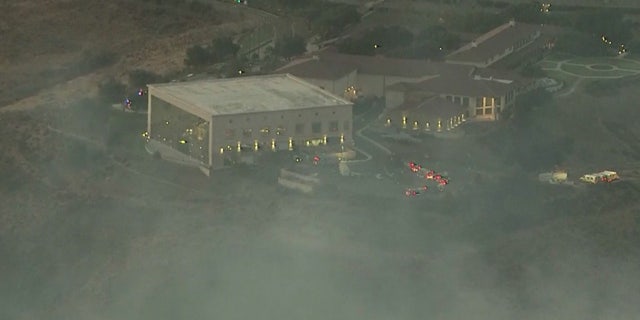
column 332, row 19
column 288, row 47
column 525, row 12
column 391, row 39
column 111, row 90
column 223, row 48
column 581, row 44
column 608, row 23
column 140, row 78
column 198, row 56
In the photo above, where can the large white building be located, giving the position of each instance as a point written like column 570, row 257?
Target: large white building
column 211, row 123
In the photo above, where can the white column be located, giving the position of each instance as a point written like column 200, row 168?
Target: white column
column 211, row 152
column 149, row 113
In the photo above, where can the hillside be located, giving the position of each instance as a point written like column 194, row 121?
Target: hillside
column 48, row 43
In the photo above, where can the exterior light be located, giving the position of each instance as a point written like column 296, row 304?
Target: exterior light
column 166, row 123
column 290, row 143
column 255, row 145
column 426, row 126
column 221, row 150
column 342, row 138
column 308, row 143
column 388, row 122
column 324, row 139
column 273, row 144
column 439, row 125
column 239, row 146
column 415, row 125
column 404, row 122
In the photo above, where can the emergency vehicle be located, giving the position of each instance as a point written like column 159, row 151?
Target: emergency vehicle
column 604, row 176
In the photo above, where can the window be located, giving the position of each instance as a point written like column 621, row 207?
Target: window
column 478, row 112
column 478, row 102
column 488, row 111
column 333, row 126
column 457, row 100
column 497, row 100
column 230, row 133
column 465, row 101
column 300, row 128
column 346, row 125
column 487, row 101
column 316, row 127
column 247, row 133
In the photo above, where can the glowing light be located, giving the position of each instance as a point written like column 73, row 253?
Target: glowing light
column 427, row 126
column 341, row 138
column 255, row 145
column 415, row 125
column 221, row 150
column 273, row 144
column 404, row 122
column 439, row 125
column 324, row 139
column 239, row 146
column 388, row 122
column 182, row 141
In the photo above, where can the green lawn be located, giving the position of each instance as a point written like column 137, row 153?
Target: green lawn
column 583, row 71
column 558, row 57
column 620, row 63
column 547, row 64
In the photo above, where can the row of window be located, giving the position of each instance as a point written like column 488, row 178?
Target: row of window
column 300, row 128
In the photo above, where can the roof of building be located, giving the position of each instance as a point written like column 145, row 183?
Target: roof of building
column 313, row 67
column 436, row 77
column 327, row 64
column 434, row 106
column 249, row 94
column 493, row 42
column 465, row 86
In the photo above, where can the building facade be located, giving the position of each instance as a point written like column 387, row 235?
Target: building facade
column 214, row 123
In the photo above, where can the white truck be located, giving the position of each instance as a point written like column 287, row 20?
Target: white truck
column 604, row 176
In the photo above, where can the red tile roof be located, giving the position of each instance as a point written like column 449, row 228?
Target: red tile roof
column 439, row 77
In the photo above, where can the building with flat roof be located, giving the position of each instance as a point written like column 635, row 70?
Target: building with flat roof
column 213, row 123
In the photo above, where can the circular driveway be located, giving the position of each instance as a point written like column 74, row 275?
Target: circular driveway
column 597, row 68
